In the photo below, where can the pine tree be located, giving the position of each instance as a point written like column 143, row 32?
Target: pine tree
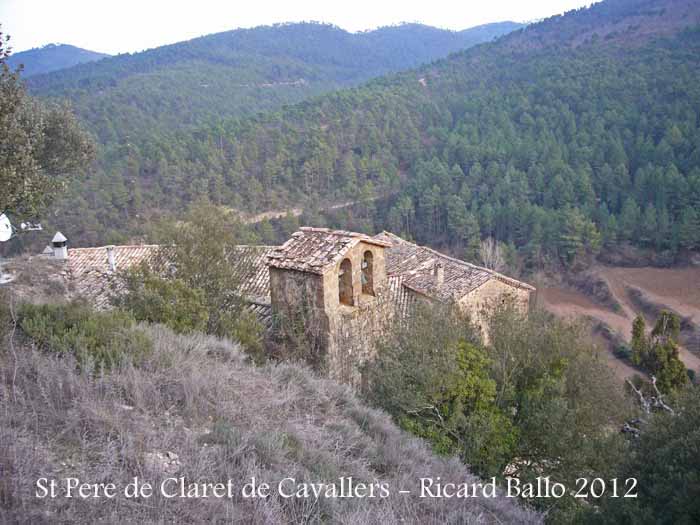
column 629, row 220
column 639, row 343
column 689, row 229
column 472, row 237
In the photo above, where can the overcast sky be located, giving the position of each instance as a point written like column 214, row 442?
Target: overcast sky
column 117, row 26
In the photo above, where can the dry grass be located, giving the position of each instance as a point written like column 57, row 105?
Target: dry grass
column 197, row 398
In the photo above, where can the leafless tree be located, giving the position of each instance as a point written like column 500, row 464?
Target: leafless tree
column 491, row 254
column 649, row 403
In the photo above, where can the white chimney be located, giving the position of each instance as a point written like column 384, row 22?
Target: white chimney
column 60, row 246
column 439, row 274
column 111, row 260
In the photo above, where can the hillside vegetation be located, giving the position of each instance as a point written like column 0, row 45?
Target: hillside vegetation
column 52, row 57
column 132, row 97
column 191, row 406
column 561, row 138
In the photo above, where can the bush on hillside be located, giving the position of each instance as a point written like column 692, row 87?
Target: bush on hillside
column 537, row 400
column 665, row 461
column 658, row 353
column 98, row 340
column 197, row 288
column 154, row 299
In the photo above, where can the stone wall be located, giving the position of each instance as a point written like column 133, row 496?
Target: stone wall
column 354, row 334
column 298, row 304
column 353, row 329
column 343, row 334
column 479, row 301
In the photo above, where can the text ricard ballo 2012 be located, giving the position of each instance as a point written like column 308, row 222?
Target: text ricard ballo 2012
column 343, row 487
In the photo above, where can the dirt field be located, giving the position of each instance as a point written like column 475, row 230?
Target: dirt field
column 678, row 289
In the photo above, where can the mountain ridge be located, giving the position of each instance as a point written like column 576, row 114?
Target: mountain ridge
column 52, row 57
column 220, row 75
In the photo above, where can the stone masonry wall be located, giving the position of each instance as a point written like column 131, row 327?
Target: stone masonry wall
column 298, row 297
column 478, row 302
column 354, row 329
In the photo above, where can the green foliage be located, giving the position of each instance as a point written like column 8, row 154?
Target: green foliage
column 665, row 460
column 549, row 149
column 563, row 398
column 243, row 326
column 538, row 400
column 658, row 353
column 98, row 340
column 639, row 341
column 623, row 352
column 242, row 72
column 41, row 145
column 436, row 383
column 194, row 284
column 149, row 297
column 205, row 247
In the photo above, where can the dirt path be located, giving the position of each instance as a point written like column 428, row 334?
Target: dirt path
column 296, row 212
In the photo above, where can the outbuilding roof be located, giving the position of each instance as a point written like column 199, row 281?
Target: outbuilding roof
column 416, row 264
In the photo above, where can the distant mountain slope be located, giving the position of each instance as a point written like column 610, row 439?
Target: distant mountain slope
column 562, row 139
column 242, row 72
column 52, row 57
column 626, row 22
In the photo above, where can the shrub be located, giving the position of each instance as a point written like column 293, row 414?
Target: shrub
column 99, row 339
column 245, row 328
column 658, row 354
column 622, row 352
column 436, row 383
column 149, row 297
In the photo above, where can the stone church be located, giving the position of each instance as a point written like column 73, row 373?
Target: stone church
column 344, row 286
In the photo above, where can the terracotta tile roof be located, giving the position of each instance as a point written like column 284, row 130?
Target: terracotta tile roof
column 89, row 271
column 410, row 268
column 315, row 250
column 400, row 296
column 90, row 274
column 416, row 265
column 263, row 312
column 251, row 269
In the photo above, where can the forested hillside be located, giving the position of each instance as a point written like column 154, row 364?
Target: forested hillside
column 137, row 96
column 52, row 57
column 574, row 133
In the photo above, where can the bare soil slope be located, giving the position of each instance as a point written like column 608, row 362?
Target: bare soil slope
column 677, row 289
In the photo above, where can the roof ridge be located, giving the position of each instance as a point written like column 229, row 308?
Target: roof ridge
column 86, row 248
column 339, row 233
